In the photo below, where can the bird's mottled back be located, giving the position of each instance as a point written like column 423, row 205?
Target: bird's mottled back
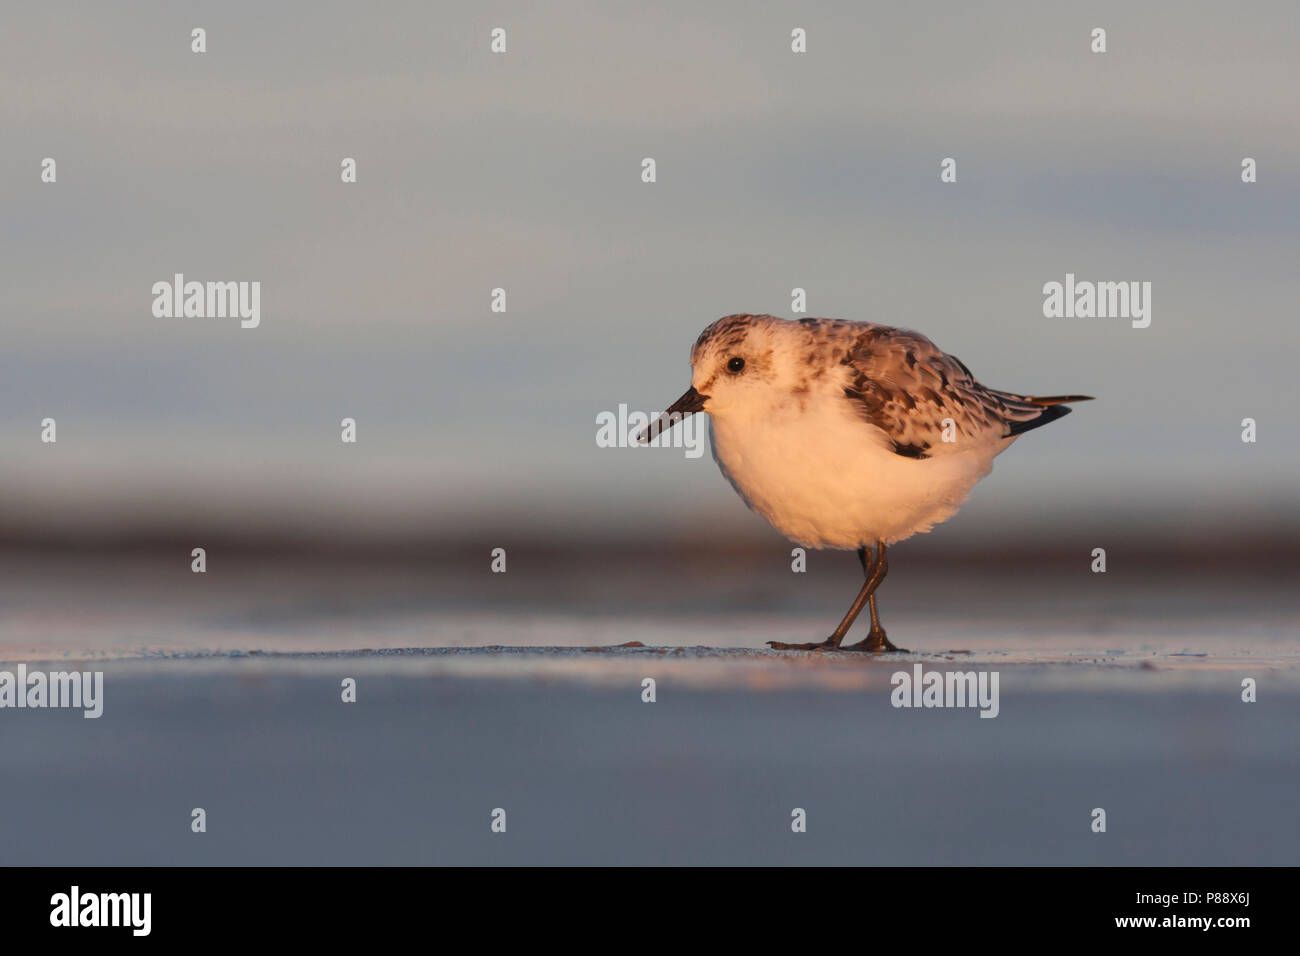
column 912, row 390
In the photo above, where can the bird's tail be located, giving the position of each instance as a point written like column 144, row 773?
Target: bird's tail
column 1046, row 400
column 1026, row 412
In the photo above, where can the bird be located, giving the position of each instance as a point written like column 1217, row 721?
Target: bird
column 848, row 435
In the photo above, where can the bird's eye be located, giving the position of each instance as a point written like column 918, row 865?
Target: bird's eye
column 736, row 364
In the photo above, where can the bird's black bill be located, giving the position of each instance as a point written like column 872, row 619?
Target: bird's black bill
column 688, row 404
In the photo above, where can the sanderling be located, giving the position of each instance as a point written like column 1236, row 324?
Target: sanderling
column 848, row 435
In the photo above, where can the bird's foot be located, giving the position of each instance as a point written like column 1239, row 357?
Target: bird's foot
column 830, row 644
column 877, row 643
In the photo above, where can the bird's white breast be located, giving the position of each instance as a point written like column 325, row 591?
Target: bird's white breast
column 826, row 479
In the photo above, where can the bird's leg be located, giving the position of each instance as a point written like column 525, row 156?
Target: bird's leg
column 876, row 639
column 874, row 576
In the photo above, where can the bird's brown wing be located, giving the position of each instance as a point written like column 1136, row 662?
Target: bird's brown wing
column 927, row 402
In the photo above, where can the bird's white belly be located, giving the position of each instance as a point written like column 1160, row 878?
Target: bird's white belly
column 825, row 480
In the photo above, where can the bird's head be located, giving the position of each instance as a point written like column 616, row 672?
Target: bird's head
column 736, row 364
